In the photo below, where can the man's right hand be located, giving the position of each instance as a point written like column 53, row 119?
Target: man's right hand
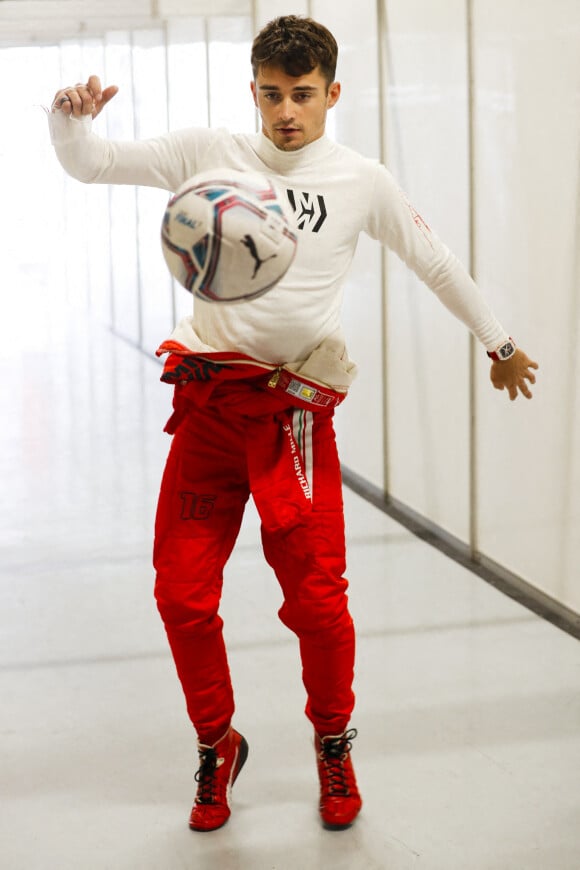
column 83, row 99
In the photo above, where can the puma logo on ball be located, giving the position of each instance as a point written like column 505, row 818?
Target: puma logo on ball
column 251, row 246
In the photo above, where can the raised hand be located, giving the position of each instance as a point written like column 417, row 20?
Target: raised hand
column 83, row 98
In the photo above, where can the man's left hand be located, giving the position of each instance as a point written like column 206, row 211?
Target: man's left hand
column 512, row 374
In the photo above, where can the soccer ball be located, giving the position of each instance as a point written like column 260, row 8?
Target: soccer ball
column 228, row 235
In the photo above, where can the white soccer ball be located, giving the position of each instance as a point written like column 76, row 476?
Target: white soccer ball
column 228, row 235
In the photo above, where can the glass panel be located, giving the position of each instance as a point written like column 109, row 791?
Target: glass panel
column 230, row 74
column 150, row 92
column 75, row 196
column 187, row 73
column 34, row 249
column 98, row 252
column 188, row 99
column 120, row 125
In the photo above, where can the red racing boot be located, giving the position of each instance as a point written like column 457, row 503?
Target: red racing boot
column 219, row 766
column 340, row 801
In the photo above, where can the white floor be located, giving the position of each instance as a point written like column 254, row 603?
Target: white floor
column 468, row 754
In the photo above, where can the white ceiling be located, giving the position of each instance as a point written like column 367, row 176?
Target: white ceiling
column 34, row 22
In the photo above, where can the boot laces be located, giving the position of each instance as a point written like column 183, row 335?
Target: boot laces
column 205, row 776
column 333, row 753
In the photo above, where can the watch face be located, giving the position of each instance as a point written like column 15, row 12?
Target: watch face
column 506, row 350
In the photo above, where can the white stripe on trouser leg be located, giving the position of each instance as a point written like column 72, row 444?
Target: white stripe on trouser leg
column 302, row 422
column 307, row 451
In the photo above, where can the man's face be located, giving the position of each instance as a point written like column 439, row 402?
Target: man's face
column 293, row 109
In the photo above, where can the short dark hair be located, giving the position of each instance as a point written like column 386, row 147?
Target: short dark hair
column 297, row 45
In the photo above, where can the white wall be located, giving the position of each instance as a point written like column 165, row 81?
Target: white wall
column 526, row 230
column 427, row 350
column 528, row 197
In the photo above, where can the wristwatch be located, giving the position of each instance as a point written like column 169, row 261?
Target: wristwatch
column 504, row 352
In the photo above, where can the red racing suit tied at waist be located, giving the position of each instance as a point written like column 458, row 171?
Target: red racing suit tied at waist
column 196, row 376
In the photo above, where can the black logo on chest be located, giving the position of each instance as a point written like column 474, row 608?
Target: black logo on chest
column 310, row 210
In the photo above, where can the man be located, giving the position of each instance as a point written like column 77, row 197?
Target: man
column 239, row 425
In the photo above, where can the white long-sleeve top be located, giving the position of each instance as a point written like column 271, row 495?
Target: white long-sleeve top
column 336, row 194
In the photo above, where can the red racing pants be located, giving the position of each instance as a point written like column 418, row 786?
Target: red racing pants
column 231, row 439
